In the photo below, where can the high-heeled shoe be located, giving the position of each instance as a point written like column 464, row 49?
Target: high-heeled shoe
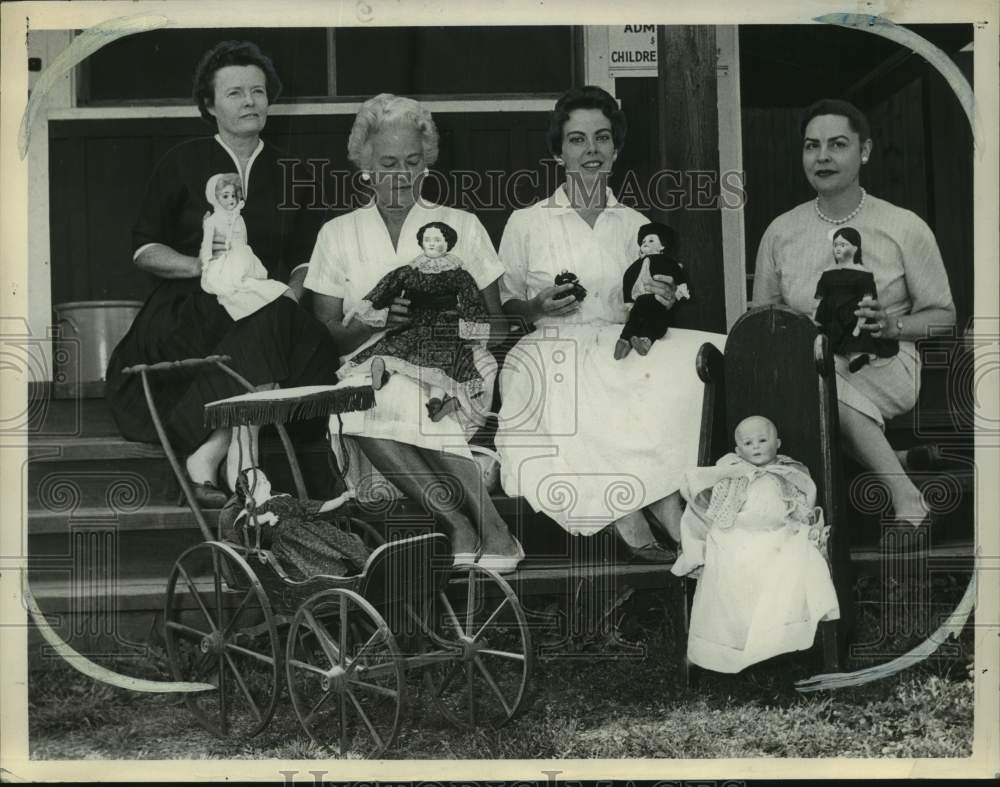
column 206, row 494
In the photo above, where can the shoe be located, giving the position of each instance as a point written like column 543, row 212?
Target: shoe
column 502, row 564
column 652, row 553
column 206, row 495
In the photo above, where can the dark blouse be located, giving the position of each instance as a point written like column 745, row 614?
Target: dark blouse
column 174, row 205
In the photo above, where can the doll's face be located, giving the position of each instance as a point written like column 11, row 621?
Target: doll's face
column 757, row 441
column 228, row 196
column 433, row 243
column 843, row 250
column 651, row 245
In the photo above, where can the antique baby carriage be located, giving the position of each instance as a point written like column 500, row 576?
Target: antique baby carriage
column 343, row 645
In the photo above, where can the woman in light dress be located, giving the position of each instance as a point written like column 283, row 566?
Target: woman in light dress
column 585, row 438
column 393, row 141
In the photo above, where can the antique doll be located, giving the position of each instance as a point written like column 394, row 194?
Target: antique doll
column 303, row 544
column 751, row 529
column 447, row 318
column 236, row 277
column 839, row 290
column 649, row 319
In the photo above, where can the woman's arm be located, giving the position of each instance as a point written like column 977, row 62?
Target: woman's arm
column 163, row 261
column 330, row 311
column 554, row 301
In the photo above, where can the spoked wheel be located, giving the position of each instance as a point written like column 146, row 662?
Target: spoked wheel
column 229, row 639
column 345, row 674
column 486, row 655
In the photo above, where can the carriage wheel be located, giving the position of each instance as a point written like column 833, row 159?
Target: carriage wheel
column 345, row 674
column 479, row 624
column 229, row 639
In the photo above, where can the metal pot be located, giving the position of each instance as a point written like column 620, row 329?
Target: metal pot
column 86, row 334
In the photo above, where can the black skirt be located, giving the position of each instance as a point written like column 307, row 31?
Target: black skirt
column 281, row 343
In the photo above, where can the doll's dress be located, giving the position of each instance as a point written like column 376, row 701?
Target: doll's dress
column 648, row 317
column 303, row 544
column 237, row 277
column 765, row 582
column 839, row 289
column 447, row 318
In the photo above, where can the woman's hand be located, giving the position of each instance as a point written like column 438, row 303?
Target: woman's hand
column 877, row 322
column 554, row 301
column 662, row 288
column 399, row 313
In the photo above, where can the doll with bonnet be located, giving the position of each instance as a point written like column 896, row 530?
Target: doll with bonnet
column 752, row 529
column 237, row 277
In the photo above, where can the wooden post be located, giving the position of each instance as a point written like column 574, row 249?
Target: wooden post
column 686, row 195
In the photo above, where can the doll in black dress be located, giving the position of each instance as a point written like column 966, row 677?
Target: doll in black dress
column 840, row 289
column 448, row 319
column 649, row 319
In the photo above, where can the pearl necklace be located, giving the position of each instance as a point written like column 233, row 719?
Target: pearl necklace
column 846, row 218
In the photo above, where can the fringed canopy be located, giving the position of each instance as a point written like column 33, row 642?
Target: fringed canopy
column 281, row 405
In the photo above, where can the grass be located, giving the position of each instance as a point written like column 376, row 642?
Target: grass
column 587, row 704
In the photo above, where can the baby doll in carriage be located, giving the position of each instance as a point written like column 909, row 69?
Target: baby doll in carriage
column 649, row 319
column 448, row 319
column 751, row 529
column 236, row 277
column 840, row 289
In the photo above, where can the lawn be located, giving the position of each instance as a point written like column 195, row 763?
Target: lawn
column 601, row 701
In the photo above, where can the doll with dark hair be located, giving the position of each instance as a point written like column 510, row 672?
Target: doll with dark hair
column 303, row 544
column 649, row 319
column 840, row 290
column 447, row 319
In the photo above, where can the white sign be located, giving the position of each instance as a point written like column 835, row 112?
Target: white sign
column 632, row 51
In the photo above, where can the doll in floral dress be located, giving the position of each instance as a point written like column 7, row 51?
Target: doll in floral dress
column 447, row 319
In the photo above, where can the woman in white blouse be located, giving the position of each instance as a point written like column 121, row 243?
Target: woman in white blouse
column 393, row 141
column 586, row 438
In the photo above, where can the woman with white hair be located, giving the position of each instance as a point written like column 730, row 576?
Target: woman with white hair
column 392, row 142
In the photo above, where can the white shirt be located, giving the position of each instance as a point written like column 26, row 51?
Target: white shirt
column 549, row 237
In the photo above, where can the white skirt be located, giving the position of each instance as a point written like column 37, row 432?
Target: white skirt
column 587, row 439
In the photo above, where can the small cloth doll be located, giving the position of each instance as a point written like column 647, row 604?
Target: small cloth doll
column 649, row 319
column 237, row 277
column 751, row 528
column 447, row 319
column 839, row 290
column 303, row 544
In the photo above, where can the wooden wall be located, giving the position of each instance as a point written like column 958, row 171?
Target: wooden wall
column 98, row 171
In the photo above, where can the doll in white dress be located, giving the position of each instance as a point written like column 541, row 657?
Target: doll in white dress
column 236, row 277
column 751, row 528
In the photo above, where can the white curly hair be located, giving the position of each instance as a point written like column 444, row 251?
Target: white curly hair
column 386, row 110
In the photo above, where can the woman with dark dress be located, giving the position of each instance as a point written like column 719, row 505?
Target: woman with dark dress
column 281, row 345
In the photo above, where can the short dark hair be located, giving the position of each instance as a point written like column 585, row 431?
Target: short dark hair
column 231, row 53
column 835, row 106
column 586, row 97
column 853, row 237
column 666, row 234
column 450, row 236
